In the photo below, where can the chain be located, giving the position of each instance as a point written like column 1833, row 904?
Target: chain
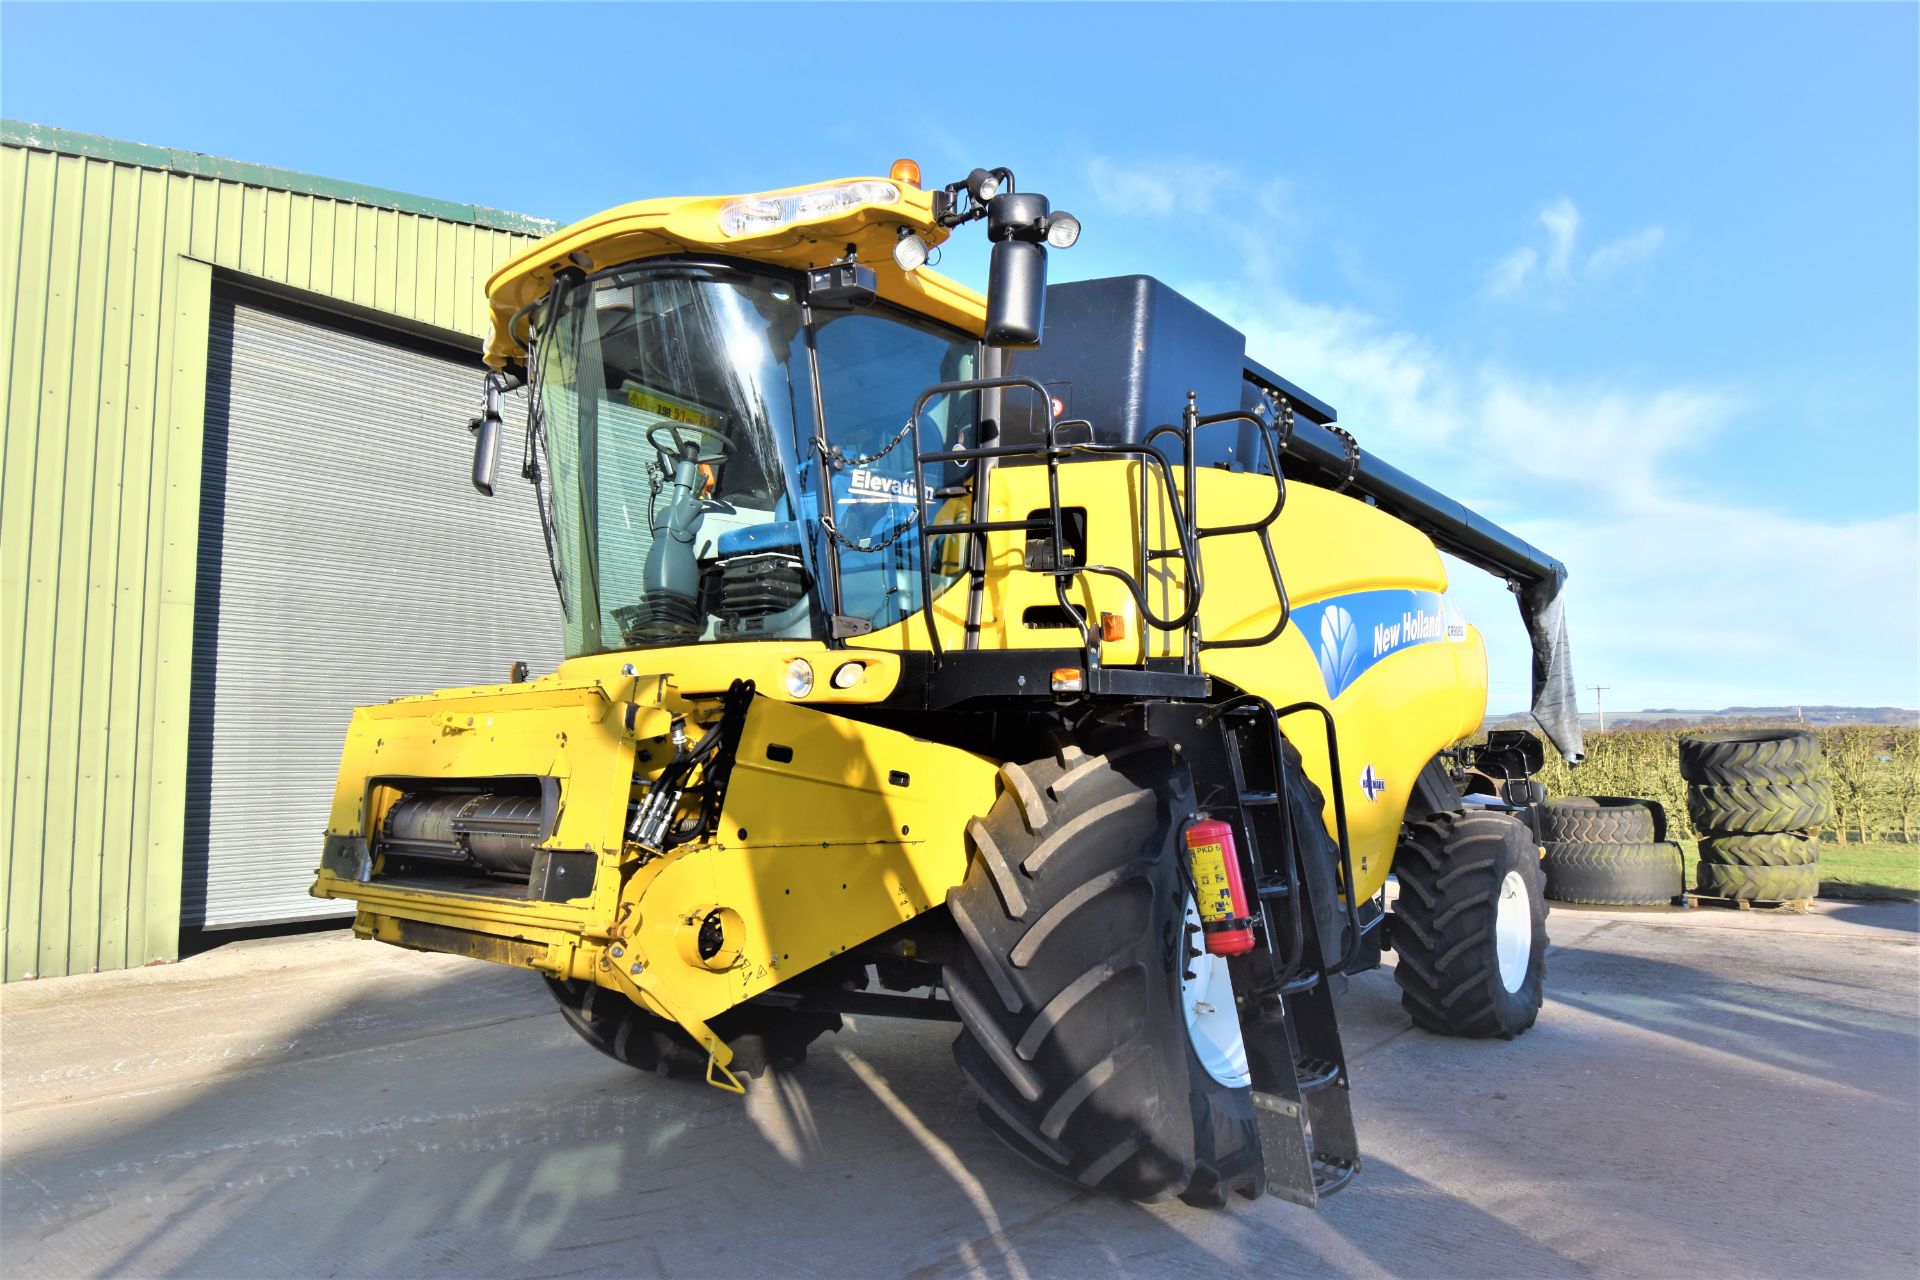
column 832, row 454
column 863, row 548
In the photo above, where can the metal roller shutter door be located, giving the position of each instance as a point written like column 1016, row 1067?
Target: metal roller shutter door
column 344, row 560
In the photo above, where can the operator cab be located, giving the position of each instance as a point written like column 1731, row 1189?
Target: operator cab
column 692, row 422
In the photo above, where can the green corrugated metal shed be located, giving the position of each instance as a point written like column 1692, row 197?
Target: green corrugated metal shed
column 108, row 253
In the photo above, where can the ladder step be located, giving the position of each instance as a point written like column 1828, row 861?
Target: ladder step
column 1259, row 798
column 1315, row 1073
column 1276, row 890
column 1331, row 1174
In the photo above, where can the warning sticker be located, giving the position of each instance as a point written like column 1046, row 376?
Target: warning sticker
column 1210, row 881
column 668, row 407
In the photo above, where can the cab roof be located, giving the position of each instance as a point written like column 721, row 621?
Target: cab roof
column 693, row 224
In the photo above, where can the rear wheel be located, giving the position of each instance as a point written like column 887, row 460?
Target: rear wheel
column 759, row 1037
column 1470, row 925
column 1093, row 1053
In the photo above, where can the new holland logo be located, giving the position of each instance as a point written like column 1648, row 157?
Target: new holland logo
column 1339, row 648
column 1351, row 633
column 1372, row 785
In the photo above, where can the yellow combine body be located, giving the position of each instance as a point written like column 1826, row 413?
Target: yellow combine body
column 777, row 762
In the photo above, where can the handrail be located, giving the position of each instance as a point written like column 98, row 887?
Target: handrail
column 1180, row 502
column 1051, row 452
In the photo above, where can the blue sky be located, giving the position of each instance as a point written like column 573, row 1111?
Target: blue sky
column 1638, row 281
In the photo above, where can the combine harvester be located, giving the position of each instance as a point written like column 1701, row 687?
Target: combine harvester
column 1082, row 692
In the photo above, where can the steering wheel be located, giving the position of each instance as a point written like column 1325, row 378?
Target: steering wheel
column 711, row 447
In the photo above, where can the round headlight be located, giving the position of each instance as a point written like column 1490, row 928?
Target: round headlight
column 847, row 674
column 909, row 251
column 1062, row 230
column 799, row 678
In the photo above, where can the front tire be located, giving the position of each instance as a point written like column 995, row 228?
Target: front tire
column 1069, row 982
column 1470, row 925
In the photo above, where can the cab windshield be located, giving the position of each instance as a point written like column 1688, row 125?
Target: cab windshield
column 695, row 423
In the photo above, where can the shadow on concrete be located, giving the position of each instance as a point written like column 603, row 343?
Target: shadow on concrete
column 198, row 942
column 1899, row 916
column 458, row 1127
column 1773, row 1010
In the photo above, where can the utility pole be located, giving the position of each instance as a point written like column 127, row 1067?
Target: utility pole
column 1599, row 689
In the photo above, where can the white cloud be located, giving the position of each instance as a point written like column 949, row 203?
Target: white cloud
column 1562, row 221
column 1512, row 271
column 1158, row 190
column 1678, row 595
column 1561, row 266
column 1627, row 252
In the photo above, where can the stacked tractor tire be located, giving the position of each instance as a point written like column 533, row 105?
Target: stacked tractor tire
column 1757, row 799
column 1609, row 851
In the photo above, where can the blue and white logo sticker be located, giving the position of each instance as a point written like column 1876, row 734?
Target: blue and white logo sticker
column 1372, row 785
column 1352, row 632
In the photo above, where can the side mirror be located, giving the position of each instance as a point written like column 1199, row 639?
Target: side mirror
column 486, row 435
column 1016, row 294
column 1021, row 225
column 1017, row 277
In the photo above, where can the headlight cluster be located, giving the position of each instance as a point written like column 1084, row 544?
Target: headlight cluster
column 751, row 215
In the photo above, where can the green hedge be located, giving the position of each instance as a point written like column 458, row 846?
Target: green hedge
column 1875, row 771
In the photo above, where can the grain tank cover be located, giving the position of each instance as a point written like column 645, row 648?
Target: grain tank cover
column 1123, row 353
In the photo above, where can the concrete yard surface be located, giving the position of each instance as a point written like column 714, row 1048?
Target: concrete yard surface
column 1707, row 1093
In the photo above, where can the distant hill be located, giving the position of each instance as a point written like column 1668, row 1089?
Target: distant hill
column 1678, row 718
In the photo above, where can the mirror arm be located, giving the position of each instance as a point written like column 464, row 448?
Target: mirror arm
column 486, row 433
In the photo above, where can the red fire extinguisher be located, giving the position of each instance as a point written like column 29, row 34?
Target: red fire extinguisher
column 1225, row 921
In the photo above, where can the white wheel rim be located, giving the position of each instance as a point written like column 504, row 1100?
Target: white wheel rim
column 1213, row 1020
column 1513, row 931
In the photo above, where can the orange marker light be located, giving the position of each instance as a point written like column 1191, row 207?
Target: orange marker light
column 1112, row 627
column 905, row 171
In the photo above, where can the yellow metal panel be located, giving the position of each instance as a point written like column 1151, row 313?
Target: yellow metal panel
column 366, row 241
column 197, row 199
column 426, row 265
column 345, row 219
column 94, row 843
column 447, row 286
column 833, row 832
column 466, row 308
column 406, row 254
column 300, row 240
column 67, row 873
column 229, row 224
column 45, row 745
column 813, row 856
column 250, row 254
column 128, row 760
column 13, row 190
column 320, row 252
column 27, row 708
column 278, row 227
column 173, row 654
column 386, row 238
